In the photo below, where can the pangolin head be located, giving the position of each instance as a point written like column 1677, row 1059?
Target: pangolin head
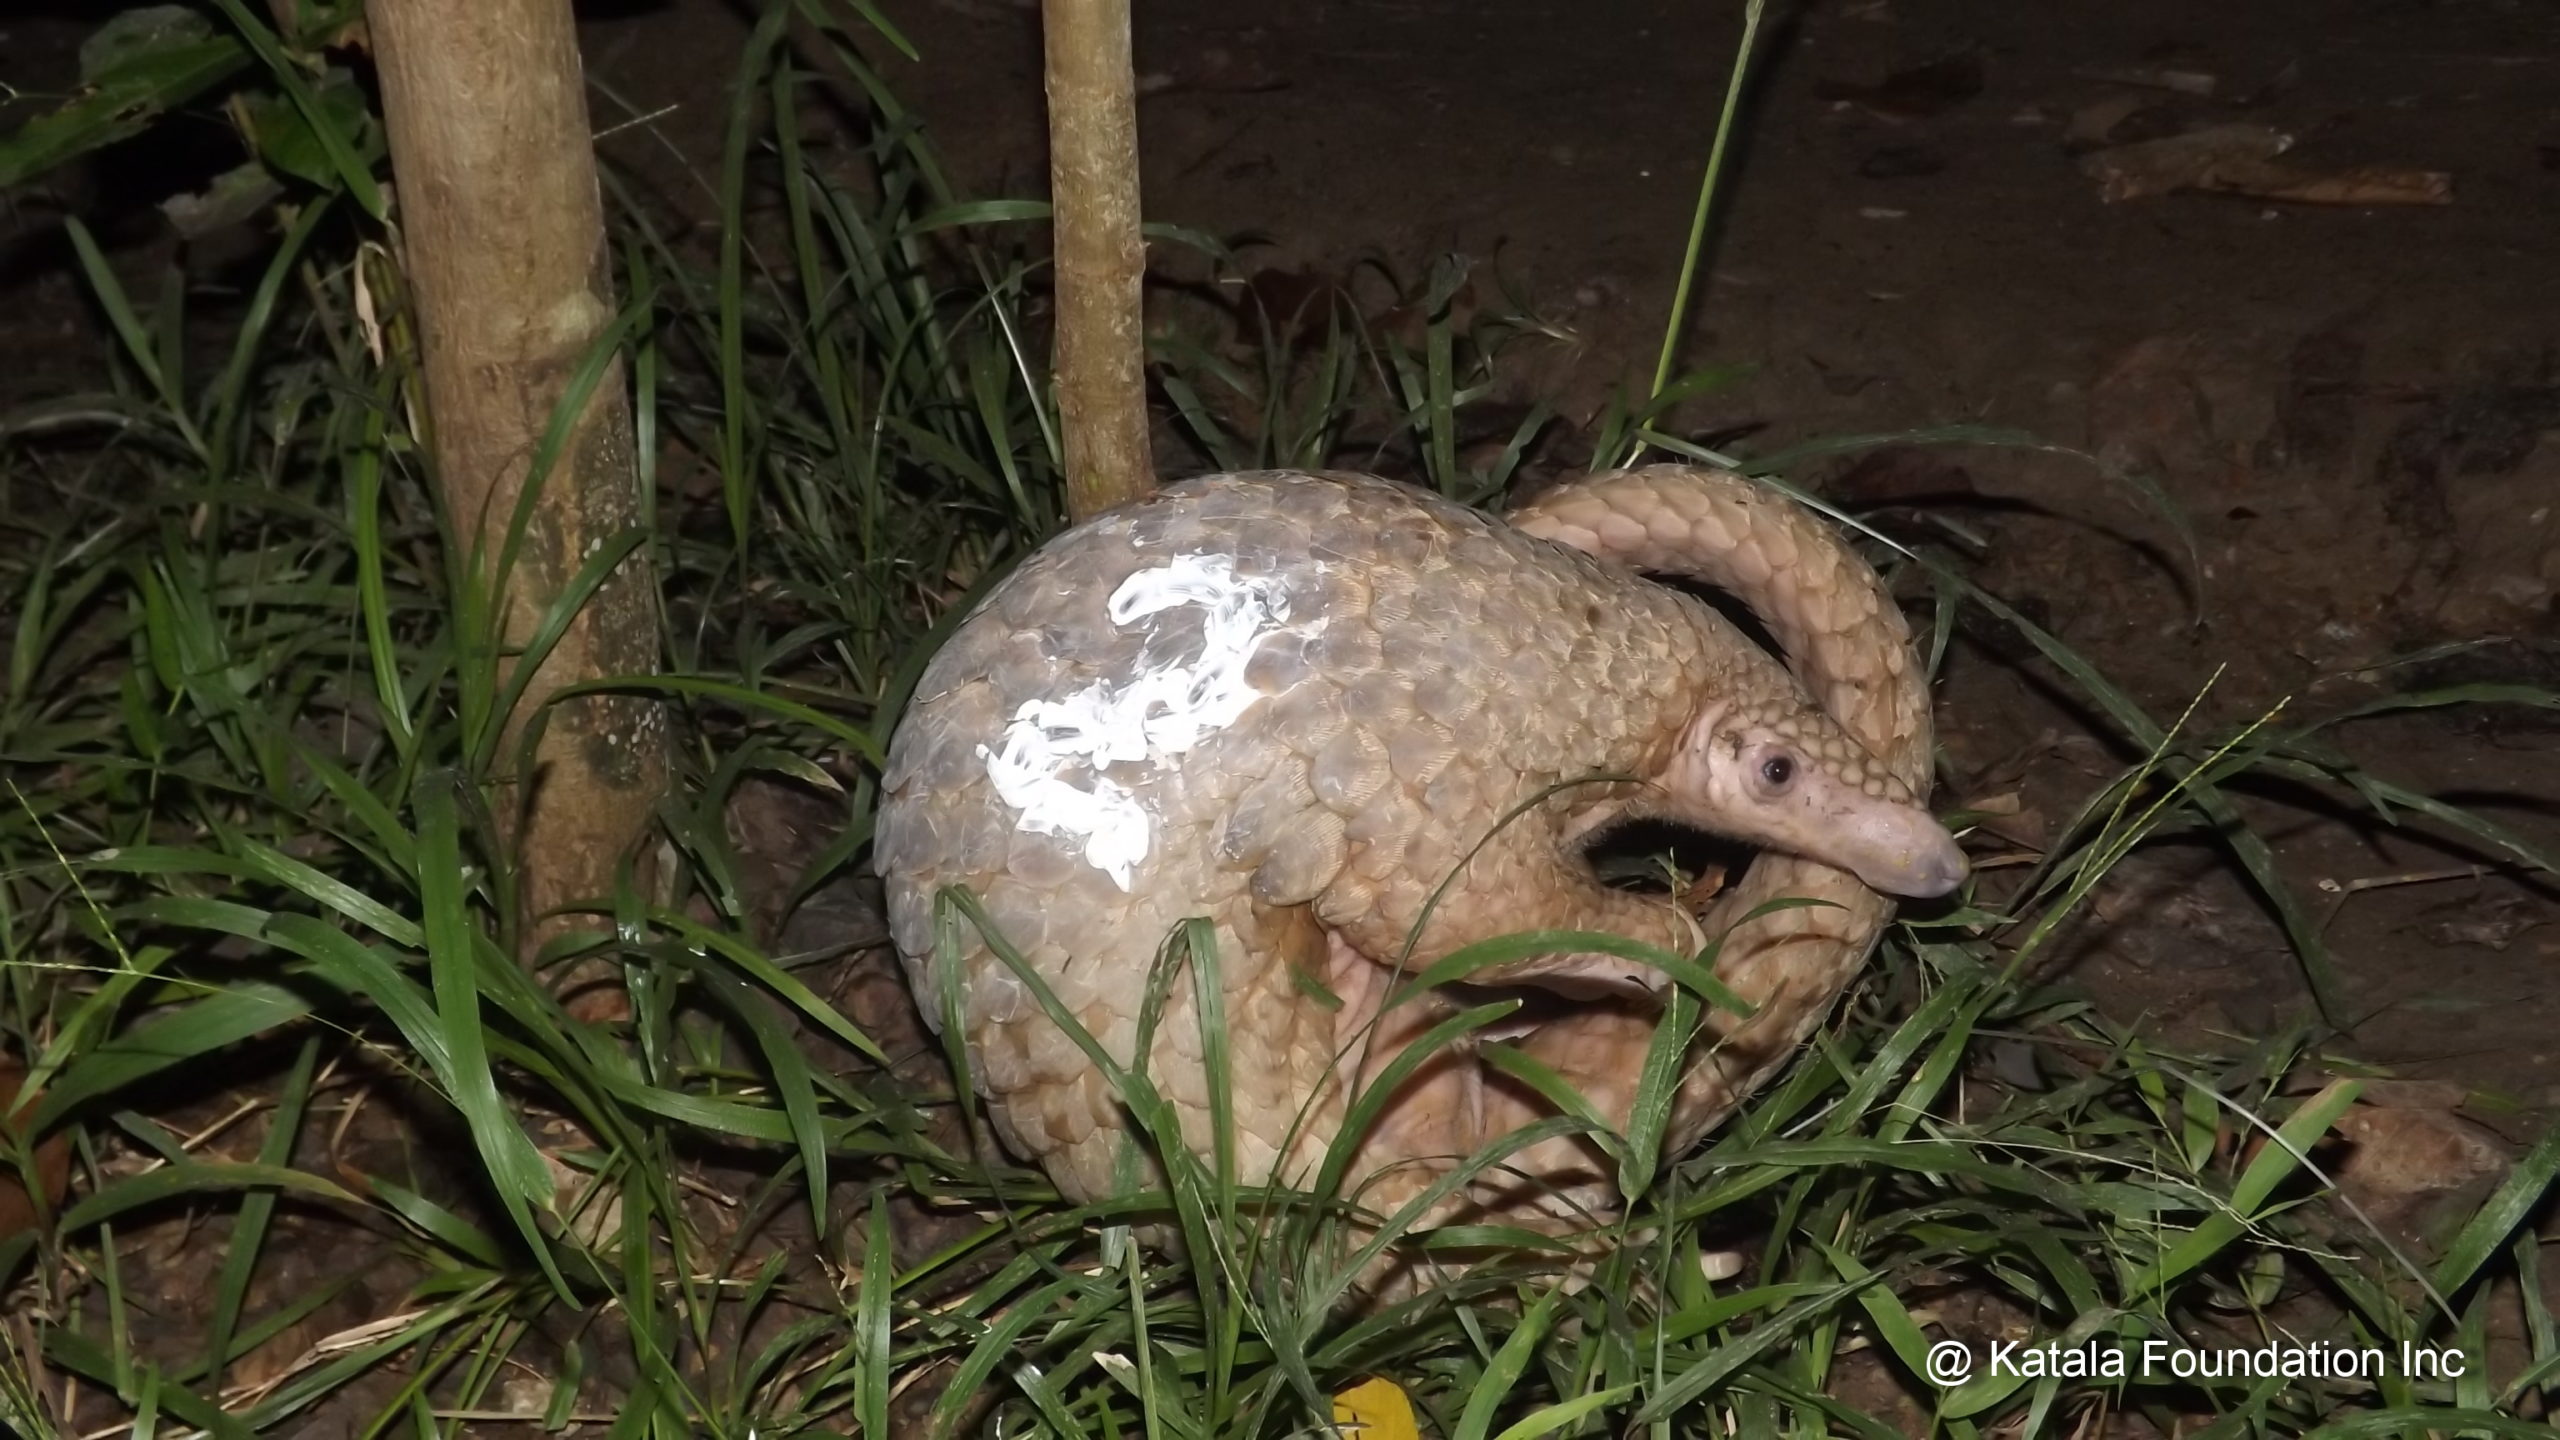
column 1783, row 775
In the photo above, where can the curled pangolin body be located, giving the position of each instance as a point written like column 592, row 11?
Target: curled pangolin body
column 1292, row 704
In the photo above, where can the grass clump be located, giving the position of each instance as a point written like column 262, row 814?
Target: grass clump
column 331, row 1151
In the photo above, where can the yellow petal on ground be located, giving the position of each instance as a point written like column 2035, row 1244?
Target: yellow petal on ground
column 1375, row 1409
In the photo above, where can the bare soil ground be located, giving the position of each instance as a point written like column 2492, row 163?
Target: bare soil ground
column 2356, row 407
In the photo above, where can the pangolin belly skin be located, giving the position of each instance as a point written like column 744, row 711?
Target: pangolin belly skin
column 1292, row 704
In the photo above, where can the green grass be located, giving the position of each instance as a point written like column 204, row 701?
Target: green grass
column 246, row 862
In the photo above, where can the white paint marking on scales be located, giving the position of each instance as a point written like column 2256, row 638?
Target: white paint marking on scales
column 1155, row 716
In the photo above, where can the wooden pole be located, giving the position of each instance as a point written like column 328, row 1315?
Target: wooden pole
column 502, row 236
column 1101, row 258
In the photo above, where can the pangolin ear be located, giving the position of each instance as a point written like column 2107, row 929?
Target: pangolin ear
column 1693, row 761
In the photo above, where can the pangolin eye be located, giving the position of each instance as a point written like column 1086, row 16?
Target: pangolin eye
column 1777, row 769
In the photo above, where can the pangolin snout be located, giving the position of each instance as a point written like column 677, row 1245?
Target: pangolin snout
column 1921, row 864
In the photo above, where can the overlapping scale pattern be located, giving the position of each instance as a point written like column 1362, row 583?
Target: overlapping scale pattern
column 1293, row 704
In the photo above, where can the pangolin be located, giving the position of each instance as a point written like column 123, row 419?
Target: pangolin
column 1294, row 703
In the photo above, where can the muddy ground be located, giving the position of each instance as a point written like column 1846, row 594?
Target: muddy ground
column 2356, row 407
